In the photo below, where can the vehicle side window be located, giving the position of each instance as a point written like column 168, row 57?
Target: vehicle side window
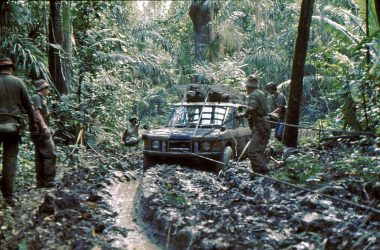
column 240, row 122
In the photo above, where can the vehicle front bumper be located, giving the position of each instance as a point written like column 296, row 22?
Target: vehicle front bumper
column 182, row 155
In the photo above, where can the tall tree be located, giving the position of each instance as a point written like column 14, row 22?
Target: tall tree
column 296, row 82
column 377, row 9
column 67, row 35
column 202, row 14
column 57, row 67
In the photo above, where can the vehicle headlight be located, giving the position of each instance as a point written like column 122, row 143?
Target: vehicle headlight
column 155, row 145
column 206, row 146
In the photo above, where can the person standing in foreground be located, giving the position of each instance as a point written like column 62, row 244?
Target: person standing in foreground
column 45, row 157
column 14, row 101
column 256, row 112
column 277, row 104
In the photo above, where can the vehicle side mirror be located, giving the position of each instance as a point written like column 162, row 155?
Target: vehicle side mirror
column 239, row 115
column 222, row 128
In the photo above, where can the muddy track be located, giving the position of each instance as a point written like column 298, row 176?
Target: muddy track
column 186, row 209
column 189, row 209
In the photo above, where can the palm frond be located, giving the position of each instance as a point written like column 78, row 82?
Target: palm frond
column 337, row 27
column 115, row 56
column 230, row 33
column 346, row 15
column 142, row 64
column 27, row 57
column 143, row 34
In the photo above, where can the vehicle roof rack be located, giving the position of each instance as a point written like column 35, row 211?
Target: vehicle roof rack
column 214, row 93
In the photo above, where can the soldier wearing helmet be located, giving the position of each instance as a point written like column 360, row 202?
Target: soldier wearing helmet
column 256, row 112
column 277, row 104
column 14, row 102
column 45, row 157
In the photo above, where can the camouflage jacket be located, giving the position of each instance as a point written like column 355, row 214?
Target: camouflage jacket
column 14, row 100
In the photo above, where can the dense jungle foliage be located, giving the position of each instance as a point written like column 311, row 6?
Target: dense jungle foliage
column 124, row 58
column 110, row 60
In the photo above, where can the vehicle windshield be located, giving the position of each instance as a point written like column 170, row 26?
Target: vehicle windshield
column 190, row 116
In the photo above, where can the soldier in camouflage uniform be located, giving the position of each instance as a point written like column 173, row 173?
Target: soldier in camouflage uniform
column 14, row 101
column 45, row 157
column 256, row 112
column 277, row 104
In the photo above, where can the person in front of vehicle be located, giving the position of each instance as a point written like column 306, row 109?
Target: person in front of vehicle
column 45, row 157
column 131, row 135
column 256, row 111
column 277, row 104
column 14, row 101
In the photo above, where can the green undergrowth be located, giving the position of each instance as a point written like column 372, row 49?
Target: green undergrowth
column 357, row 164
column 322, row 165
column 301, row 167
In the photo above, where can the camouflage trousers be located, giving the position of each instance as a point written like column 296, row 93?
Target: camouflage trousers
column 10, row 144
column 45, row 160
column 256, row 150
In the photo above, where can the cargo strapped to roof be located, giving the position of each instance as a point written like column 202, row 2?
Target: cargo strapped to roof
column 214, row 93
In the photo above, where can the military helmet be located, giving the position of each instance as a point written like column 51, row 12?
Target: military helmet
column 6, row 62
column 271, row 85
column 40, row 85
column 251, row 81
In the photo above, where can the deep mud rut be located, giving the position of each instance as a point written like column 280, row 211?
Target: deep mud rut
column 122, row 202
column 189, row 209
column 182, row 208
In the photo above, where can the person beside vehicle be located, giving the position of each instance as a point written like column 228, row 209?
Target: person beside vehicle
column 256, row 112
column 277, row 105
column 45, row 157
column 14, row 102
column 131, row 134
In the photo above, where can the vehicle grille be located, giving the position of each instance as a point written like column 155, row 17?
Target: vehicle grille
column 179, row 146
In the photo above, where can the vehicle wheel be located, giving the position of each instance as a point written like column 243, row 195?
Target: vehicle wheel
column 149, row 162
column 227, row 156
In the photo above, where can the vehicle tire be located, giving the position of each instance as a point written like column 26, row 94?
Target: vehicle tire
column 149, row 162
column 227, row 156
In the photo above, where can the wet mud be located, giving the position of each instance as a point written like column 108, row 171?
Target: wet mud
column 190, row 209
column 122, row 201
column 99, row 205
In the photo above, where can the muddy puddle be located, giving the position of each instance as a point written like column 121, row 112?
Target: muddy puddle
column 122, row 202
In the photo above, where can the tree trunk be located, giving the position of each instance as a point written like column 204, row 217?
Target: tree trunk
column 290, row 138
column 67, row 34
column 202, row 23
column 377, row 7
column 56, row 62
column 368, row 55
